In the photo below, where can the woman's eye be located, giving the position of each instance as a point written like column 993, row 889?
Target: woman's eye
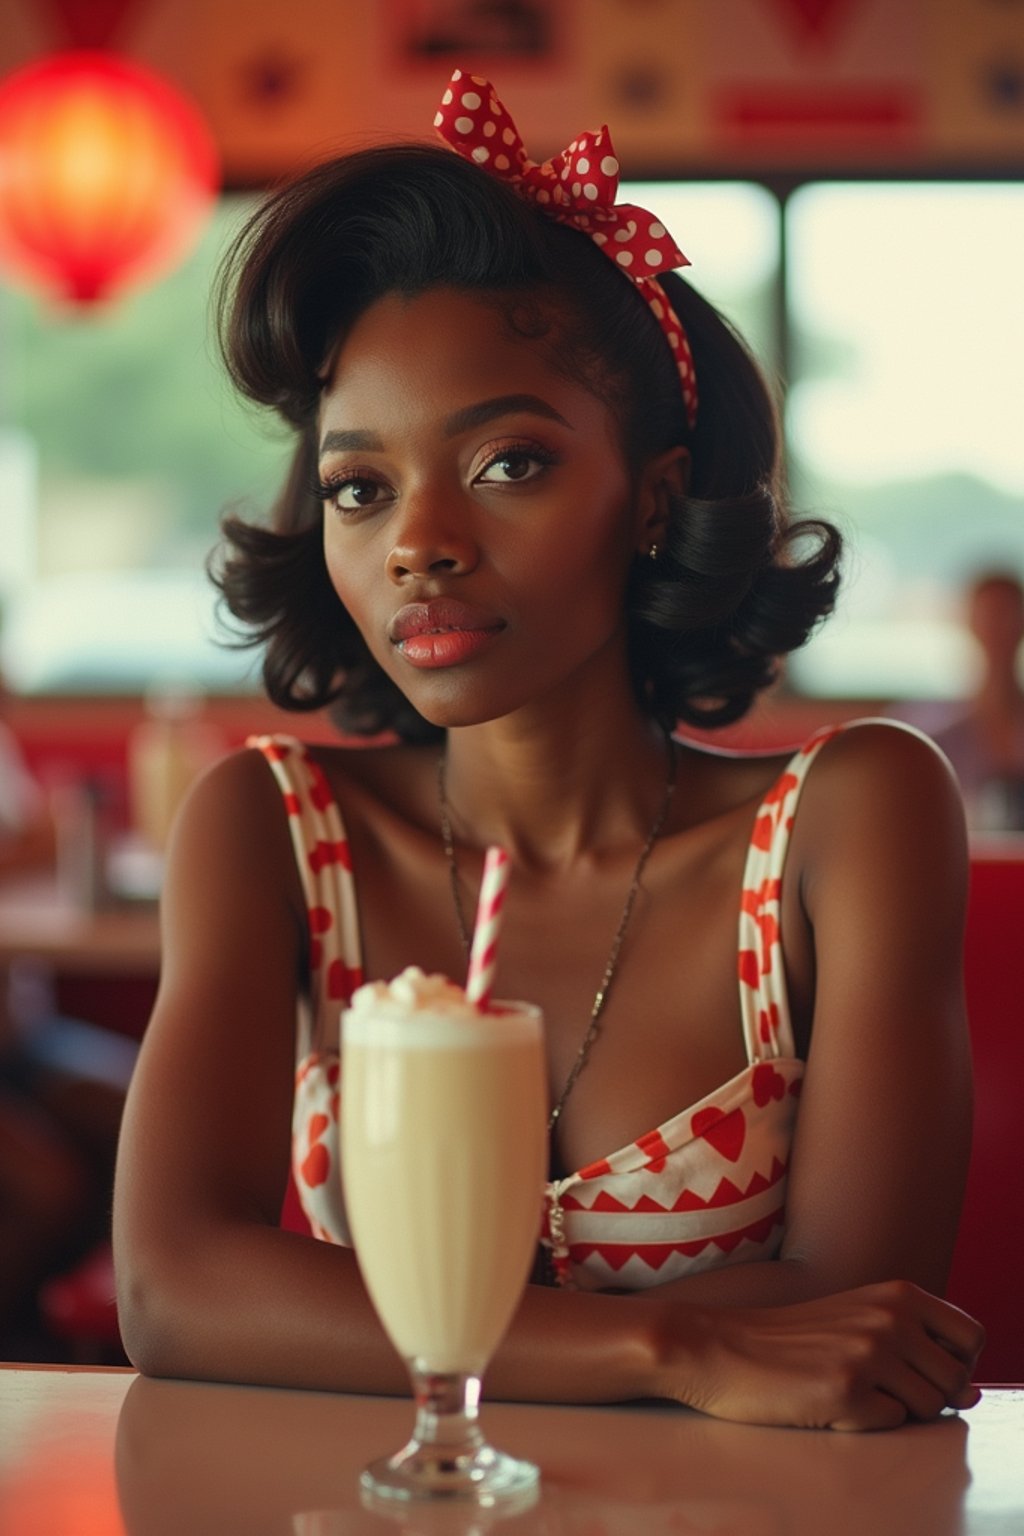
column 513, row 466
column 352, row 493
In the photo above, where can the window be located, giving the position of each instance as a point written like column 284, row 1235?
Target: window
column 906, row 310
column 120, row 444
column 121, row 441
column 730, row 232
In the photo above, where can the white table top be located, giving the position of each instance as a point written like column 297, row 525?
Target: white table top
column 102, row 1453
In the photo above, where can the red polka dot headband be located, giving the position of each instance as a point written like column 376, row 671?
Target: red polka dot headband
column 577, row 187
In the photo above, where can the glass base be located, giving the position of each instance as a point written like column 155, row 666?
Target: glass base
column 483, row 1476
column 448, row 1457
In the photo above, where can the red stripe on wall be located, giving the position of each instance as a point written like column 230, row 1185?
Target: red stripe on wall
column 756, row 110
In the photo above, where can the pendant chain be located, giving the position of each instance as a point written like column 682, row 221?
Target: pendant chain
column 611, row 965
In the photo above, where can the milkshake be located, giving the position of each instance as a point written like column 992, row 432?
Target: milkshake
column 443, row 1152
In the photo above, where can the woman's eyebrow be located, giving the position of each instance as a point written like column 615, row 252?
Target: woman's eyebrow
column 502, row 405
column 350, row 442
column 464, row 420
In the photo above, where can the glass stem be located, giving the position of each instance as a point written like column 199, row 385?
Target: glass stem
column 447, row 1412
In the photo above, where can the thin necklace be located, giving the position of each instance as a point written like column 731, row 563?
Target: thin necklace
column 601, row 996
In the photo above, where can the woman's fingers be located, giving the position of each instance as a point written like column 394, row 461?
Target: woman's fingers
column 943, row 1348
column 924, row 1352
column 961, row 1334
column 872, row 1410
column 879, row 1382
column 904, row 1329
column 861, row 1360
column 920, row 1395
column 946, row 1372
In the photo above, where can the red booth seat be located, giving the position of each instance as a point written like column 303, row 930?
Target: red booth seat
column 988, row 1265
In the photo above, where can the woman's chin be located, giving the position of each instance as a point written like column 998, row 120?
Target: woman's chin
column 452, row 702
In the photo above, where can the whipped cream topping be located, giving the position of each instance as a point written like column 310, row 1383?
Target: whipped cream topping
column 414, row 991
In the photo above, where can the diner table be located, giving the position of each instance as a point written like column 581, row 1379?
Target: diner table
column 105, row 1452
column 38, row 922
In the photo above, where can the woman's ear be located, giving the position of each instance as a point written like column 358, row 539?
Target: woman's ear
column 662, row 478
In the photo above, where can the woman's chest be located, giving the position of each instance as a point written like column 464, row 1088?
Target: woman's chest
column 638, row 980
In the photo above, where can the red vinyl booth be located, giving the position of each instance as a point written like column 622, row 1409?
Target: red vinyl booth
column 988, row 1266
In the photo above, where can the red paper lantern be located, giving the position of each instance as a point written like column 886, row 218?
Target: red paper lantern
column 107, row 175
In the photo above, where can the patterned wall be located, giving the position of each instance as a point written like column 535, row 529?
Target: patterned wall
column 707, row 84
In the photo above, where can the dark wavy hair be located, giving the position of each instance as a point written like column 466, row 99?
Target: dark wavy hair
column 737, row 584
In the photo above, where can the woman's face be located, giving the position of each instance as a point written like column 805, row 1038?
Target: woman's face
column 479, row 519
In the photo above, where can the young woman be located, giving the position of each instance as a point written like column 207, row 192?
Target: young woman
column 535, row 519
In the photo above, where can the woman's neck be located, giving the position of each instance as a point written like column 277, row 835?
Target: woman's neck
column 554, row 783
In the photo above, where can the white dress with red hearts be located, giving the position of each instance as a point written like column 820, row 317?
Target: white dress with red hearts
column 707, row 1187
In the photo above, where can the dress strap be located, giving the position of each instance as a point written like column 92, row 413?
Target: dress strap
column 764, row 1002
column 324, row 861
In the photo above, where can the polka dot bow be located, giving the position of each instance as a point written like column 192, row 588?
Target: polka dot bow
column 577, row 187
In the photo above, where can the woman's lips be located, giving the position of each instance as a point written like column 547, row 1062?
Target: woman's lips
column 442, row 633
column 446, row 648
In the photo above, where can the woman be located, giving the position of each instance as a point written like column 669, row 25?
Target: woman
column 534, row 520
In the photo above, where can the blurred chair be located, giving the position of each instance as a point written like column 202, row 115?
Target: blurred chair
column 79, row 1309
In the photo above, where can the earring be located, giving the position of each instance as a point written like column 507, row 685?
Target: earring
column 652, row 553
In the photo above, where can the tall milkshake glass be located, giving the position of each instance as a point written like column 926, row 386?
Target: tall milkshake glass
column 443, row 1154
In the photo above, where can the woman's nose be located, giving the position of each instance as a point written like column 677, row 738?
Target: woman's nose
column 431, row 538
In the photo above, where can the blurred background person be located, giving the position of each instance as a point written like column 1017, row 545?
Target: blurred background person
column 985, row 743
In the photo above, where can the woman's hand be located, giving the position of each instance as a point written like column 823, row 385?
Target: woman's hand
column 870, row 1358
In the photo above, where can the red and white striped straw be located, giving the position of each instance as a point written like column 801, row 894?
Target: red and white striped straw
column 483, row 952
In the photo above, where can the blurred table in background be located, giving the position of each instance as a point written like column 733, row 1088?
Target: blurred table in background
column 36, row 923
column 59, row 959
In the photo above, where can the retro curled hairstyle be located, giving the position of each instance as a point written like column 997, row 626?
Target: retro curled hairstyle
column 737, row 584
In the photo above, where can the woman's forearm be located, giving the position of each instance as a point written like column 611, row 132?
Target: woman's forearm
column 252, row 1304
column 762, row 1283
column 245, row 1303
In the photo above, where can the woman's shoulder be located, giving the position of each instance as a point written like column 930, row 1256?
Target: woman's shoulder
column 883, row 757
column 348, row 759
column 731, row 776
column 865, row 788
column 364, row 780
column 879, row 790
column 234, row 829
column 231, row 809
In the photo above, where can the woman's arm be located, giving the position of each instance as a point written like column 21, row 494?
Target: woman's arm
column 207, row 1284
column 880, row 1155
column 879, row 1160
column 884, row 1130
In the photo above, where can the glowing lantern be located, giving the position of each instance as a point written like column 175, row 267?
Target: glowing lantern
column 107, row 175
